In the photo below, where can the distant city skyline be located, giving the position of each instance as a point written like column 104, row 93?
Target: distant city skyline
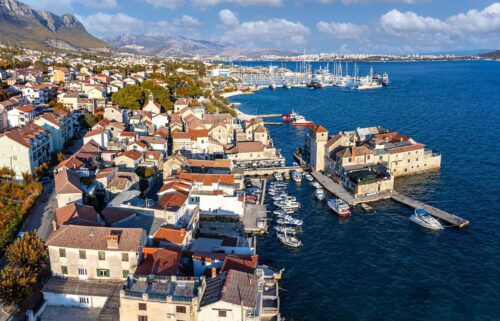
column 350, row 26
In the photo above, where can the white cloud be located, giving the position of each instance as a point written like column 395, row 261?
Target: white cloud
column 398, row 23
column 170, row 4
column 228, row 18
column 99, row 4
column 211, row 3
column 474, row 21
column 104, row 24
column 277, row 32
column 342, row 30
column 187, row 21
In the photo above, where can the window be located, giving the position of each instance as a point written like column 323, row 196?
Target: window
column 349, row 160
column 64, row 269
column 125, row 257
column 417, row 159
column 180, row 309
column 103, row 272
column 83, row 254
column 62, row 252
column 125, row 273
column 82, row 271
column 84, row 300
column 143, row 318
column 222, row 314
column 143, row 306
column 102, row 255
column 380, row 157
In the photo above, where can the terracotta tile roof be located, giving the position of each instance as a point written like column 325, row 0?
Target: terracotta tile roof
column 132, row 154
column 153, row 155
column 201, row 133
column 247, row 147
column 209, row 179
column 159, row 262
column 94, row 132
column 96, row 238
column 66, row 182
column 405, row 149
column 105, row 172
column 233, row 287
column 26, row 108
column 70, row 163
column 170, row 235
column 181, row 135
column 77, row 214
column 139, row 143
column 175, row 185
column 218, row 163
column 162, row 132
column 391, row 137
column 174, row 200
column 24, row 134
column 319, row 129
column 128, row 134
column 240, row 264
column 153, row 140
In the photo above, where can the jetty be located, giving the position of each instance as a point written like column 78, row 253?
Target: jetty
column 340, row 192
column 265, row 171
column 436, row 212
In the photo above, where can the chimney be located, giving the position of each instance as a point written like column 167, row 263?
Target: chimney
column 214, row 272
column 112, row 240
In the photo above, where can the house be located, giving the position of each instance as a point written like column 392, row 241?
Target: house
column 68, row 188
column 156, row 143
column 100, row 136
column 60, row 126
column 252, row 151
column 161, row 298
column 24, row 148
column 232, row 295
column 21, row 115
column 129, row 159
column 92, row 252
column 180, row 104
column 113, row 113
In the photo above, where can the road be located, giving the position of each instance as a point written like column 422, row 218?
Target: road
column 42, row 213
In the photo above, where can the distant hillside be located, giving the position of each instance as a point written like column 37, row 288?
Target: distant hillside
column 22, row 26
column 178, row 46
column 491, row 55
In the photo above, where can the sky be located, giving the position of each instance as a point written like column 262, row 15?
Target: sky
column 347, row 26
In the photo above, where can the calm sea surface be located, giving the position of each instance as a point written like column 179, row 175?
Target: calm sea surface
column 381, row 266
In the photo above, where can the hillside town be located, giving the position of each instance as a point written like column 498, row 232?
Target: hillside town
column 151, row 218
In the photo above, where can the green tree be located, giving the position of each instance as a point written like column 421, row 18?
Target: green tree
column 143, row 184
column 161, row 94
column 16, row 284
column 89, row 120
column 28, row 252
column 129, row 97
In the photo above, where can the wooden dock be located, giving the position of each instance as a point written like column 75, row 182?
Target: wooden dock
column 436, row 212
column 340, row 192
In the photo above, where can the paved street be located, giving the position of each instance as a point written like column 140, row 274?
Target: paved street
column 42, row 213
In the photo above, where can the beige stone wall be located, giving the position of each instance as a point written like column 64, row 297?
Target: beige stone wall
column 414, row 162
column 156, row 310
column 65, row 199
column 376, row 187
column 113, row 262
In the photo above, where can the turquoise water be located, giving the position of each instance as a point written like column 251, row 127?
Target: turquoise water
column 381, row 266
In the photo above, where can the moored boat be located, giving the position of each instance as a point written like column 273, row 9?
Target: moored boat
column 309, row 177
column 339, row 206
column 422, row 218
column 301, row 121
column 319, row 193
column 289, row 240
column 285, row 229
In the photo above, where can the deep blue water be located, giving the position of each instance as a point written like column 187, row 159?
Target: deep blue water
column 381, row 266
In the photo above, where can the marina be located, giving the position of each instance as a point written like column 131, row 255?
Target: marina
column 381, row 250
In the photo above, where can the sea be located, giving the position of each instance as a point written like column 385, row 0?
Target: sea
column 381, row 266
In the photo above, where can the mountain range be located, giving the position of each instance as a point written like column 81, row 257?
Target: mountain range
column 25, row 27
column 177, row 46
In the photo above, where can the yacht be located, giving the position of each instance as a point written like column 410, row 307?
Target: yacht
column 319, row 193
column 301, row 121
column 339, row 206
column 288, row 85
column 289, row 240
column 422, row 218
column 316, row 185
column 290, row 220
column 272, row 86
column 277, row 176
column 285, row 229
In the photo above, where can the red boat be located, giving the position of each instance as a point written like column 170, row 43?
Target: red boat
column 287, row 117
column 301, row 121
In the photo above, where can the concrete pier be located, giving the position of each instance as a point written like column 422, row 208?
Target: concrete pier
column 340, row 192
column 436, row 212
column 270, row 170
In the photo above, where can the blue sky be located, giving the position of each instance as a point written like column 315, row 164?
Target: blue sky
column 356, row 26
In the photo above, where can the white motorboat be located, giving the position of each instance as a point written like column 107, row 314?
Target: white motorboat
column 287, row 203
column 309, row 177
column 272, row 86
column 285, row 229
column 319, row 193
column 316, row 185
column 297, row 176
column 289, row 240
column 290, row 221
column 339, row 206
column 422, row 218
column 278, row 176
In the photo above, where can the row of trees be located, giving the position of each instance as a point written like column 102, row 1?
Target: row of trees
column 27, row 259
